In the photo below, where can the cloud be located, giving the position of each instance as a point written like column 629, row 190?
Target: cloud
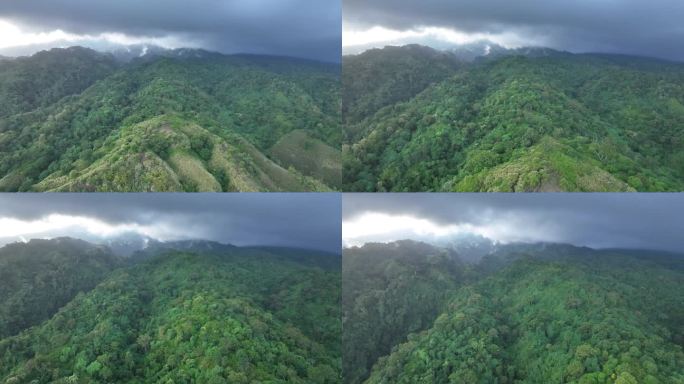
column 432, row 36
column 303, row 28
column 55, row 225
column 16, row 42
column 597, row 220
column 651, row 28
column 296, row 220
column 386, row 227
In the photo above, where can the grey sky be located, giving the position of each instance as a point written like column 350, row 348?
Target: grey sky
column 302, row 28
column 306, row 220
column 652, row 221
column 650, row 28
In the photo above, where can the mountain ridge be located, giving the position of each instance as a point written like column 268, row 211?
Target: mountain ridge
column 518, row 123
column 141, row 242
column 219, row 141
column 127, row 53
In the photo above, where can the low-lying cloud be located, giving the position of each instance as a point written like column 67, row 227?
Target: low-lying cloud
column 650, row 221
column 302, row 28
column 648, row 28
column 296, row 220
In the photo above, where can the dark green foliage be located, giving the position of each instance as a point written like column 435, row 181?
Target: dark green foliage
column 382, row 77
column 45, row 78
column 233, row 315
column 463, row 346
column 553, row 313
column 59, row 143
column 557, row 123
column 390, row 291
column 38, row 278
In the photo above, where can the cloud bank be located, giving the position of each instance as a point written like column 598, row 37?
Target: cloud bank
column 302, row 28
column 295, row 220
column 648, row 28
column 649, row 221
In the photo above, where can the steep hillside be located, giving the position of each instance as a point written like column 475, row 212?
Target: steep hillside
column 28, row 83
column 552, row 313
column 390, row 291
column 321, row 161
column 169, row 153
column 235, row 315
column 127, row 126
column 41, row 276
column 382, row 77
column 528, row 122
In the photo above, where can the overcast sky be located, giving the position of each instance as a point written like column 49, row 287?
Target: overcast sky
column 650, row 28
column 651, row 221
column 306, row 220
column 302, row 28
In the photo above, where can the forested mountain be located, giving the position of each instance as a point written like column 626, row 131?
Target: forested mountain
column 28, row 83
column 382, row 77
column 182, row 120
column 228, row 314
column 526, row 313
column 390, row 291
column 520, row 120
column 39, row 277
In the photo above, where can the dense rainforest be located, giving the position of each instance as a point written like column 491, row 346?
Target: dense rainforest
column 524, row 313
column 417, row 119
column 37, row 280
column 189, row 312
column 181, row 120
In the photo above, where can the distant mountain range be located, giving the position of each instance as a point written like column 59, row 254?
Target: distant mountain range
column 485, row 118
column 132, row 52
column 128, row 244
column 470, row 248
column 149, row 119
column 468, row 52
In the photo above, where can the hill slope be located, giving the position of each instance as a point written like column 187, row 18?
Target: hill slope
column 381, row 77
column 545, row 313
column 526, row 122
column 38, row 278
column 234, row 315
column 240, row 107
column 28, row 83
column 389, row 292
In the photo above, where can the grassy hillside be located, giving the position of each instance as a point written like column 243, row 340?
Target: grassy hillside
column 169, row 153
column 235, row 315
column 238, row 107
column 544, row 313
column 554, row 122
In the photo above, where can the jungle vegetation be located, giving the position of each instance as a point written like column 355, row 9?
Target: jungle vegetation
column 76, row 313
column 183, row 120
column 525, row 313
column 416, row 119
